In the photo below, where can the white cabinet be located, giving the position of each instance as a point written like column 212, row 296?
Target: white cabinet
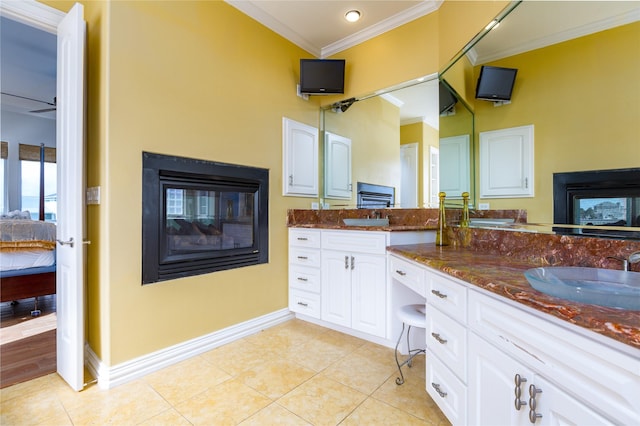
column 503, row 391
column 337, row 166
column 506, row 163
column 447, row 344
column 493, row 361
column 300, row 159
column 353, row 271
column 454, row 166
column 304, row 271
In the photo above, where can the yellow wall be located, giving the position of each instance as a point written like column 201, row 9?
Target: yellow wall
column 567, row 92
column 200, row 79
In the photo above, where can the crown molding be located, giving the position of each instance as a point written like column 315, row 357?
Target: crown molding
column 583, row 30
column 381, row 27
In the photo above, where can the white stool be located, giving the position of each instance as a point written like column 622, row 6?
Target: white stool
column 411, row 316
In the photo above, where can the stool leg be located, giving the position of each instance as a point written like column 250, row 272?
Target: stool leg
column 399, row 380
column 409, row 348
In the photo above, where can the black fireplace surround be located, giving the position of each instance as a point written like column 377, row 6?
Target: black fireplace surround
column 200, row 216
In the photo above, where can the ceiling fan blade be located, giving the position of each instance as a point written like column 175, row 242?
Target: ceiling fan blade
column 38, row 111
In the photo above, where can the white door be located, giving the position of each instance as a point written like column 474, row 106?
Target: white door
column 455, row 165
column 409, row 176
column 368, row 293
column 335, row 276
column 71, row 189
column 434, row 186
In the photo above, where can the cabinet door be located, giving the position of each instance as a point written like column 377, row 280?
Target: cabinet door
column 454, row 165
column 335, row 275
column 557, row 408
column 300, row 159
column 506, row 163
column 492, row 388
column 337, row 168
column 368, row 283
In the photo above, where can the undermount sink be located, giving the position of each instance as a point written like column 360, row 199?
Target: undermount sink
column 367, row 222
column 596, row 286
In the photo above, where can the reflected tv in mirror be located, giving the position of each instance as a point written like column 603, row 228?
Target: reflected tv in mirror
column 495, row 83
column 322, row 76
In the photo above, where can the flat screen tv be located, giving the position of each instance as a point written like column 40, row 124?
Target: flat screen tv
column 495, row 83
column 322, row 76
column 447, row 99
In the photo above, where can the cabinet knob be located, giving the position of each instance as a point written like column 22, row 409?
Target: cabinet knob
column 303, row 304
column 436, row 386
column 440, row 295
column 438, row 338
column 401, row 273
column 518, row 392
column 302, row 279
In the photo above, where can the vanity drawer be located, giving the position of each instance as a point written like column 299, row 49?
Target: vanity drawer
column 408, row 274
column 446, row 390
column 304, row 257
column 304, row 302
column 447, row 295
column 448, row 341
column 304, row 278
column 370, row 242
column 300, row 237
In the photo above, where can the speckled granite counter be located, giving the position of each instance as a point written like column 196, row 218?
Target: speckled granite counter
column 503, row 274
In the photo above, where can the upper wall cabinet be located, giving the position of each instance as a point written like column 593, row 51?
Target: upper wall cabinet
column 506, row 163
column 300, row 159
column 337, row 174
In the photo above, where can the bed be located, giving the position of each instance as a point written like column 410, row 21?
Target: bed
column 27, row 259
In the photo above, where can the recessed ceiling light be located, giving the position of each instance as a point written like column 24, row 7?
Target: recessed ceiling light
column 352, row 15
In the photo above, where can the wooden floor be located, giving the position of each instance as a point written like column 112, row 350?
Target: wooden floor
column 27, row 344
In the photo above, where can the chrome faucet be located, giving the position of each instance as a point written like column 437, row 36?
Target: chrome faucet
column 633, row 258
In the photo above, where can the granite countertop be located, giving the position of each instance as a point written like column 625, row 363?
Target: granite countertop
column 504, row 276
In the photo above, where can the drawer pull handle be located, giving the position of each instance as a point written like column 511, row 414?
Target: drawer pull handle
column 303, row 304
column 353, row 263
column 440, row 295
column 346, row 262
column 302, row 238
column 438, row 338
column 436, row 386
column 518, row 393
column 533, row 416
column 401, row 273
column 302, row 279
column 303, row 257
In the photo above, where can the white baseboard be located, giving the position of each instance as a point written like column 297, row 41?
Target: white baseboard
column 111, row 376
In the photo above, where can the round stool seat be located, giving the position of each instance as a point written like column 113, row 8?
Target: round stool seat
column 413, row 315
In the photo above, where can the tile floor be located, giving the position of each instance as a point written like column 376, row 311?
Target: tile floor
column 295, row 373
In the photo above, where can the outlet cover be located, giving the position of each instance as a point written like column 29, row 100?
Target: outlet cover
column 483, row 206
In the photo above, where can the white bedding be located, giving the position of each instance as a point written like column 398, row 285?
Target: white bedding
column 23, row 259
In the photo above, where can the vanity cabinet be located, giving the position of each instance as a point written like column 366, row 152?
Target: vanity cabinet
column 304, row 271
column 300, row 159
column 491, row 360
column 353, row 270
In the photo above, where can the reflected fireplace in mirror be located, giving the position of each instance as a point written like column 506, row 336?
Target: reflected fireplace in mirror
column 201, row 217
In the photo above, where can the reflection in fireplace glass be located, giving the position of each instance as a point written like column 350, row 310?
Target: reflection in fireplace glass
column 203, row 220
column 618, row 211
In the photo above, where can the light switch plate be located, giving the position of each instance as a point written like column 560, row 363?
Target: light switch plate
column 93, row 195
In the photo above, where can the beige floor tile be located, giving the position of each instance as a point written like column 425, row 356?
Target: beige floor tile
column 33, row 408
column 322, row 401
column 167, row 418
column 372, row 412
column 185, row 379
column 239, row 356
column 316, row 354
column 228, row 403
column 274, row 414
column 286, row 335
column 359, row 372
column 379, row 353
column 39, row 385
column 410, row 397
column 341, row 340
column 275, row 378
column 130, row 403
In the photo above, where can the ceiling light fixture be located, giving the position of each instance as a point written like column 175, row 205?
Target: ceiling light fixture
column 352, row 15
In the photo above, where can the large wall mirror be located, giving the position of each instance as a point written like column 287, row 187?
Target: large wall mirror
column 576, row 85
